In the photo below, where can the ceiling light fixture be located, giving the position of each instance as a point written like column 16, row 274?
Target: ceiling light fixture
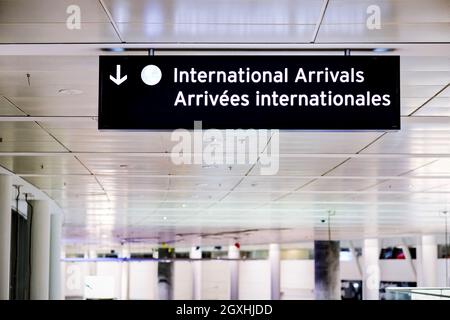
column 113, row 49
column 380, row 50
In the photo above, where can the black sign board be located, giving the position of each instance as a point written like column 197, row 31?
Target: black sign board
column 259, row 92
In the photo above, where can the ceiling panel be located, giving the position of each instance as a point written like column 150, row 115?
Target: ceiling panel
column 69, row 185
column 57, row 105
column 438, row 106
column 83, row 136
column 182, row 195
column 388, row 33
column 409, row 105
column 26, row 137
column 328, row 142
column 7, row 108
column 215, row 33
column 52, row 68
column 50, row 91
column 267, row 183
column 215, row 12
column 89, row 200
column 44, row 21
column 41, row 80
column 416, row 91
column 379, row 166
column 424, row 63
column 416, row 185
column 123, row 164
column 339, row 184
column 47, row 11
column 442, row 199
column 118, row 183
column 425, row 78
column 203, row 184
column 418, row 135
column 392, row 11
column 440, row 167
column 309, row 166
column 401, row 21
column 158, row 165
column 255, row 196
column 337, row 196
column 38, row 165
column 216, row 21
column 56, row 32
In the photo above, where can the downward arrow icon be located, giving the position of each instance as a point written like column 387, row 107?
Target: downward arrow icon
column 118, row 80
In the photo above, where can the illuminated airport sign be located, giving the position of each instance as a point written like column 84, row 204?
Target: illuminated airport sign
column 243, row 92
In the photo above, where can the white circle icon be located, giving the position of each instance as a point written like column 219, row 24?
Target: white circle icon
column 151, row 75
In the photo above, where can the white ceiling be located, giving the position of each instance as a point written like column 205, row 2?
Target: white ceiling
column 122, row 185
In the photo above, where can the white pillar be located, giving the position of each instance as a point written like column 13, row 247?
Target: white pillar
column 196, row 254
column 55, row 257
column 40, row 251
column 125, row 274
column 234, row 253
column 274, row 260
column 92, row 265
column 371, row 270
column 5, row 234
column 427, row 262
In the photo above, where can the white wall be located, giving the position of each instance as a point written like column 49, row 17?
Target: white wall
column 216, row 280
column 254, row 280
column 297, row 279
column 396, row 270
column 113, row 270
column 441, row 273
column 349, row 271
column 143, row 283
column 182, row 280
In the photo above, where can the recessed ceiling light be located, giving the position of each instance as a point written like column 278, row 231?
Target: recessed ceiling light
column 164, row 218
column 117, row 49
column 382, row 49
column 184, row 205
column 69, row 92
